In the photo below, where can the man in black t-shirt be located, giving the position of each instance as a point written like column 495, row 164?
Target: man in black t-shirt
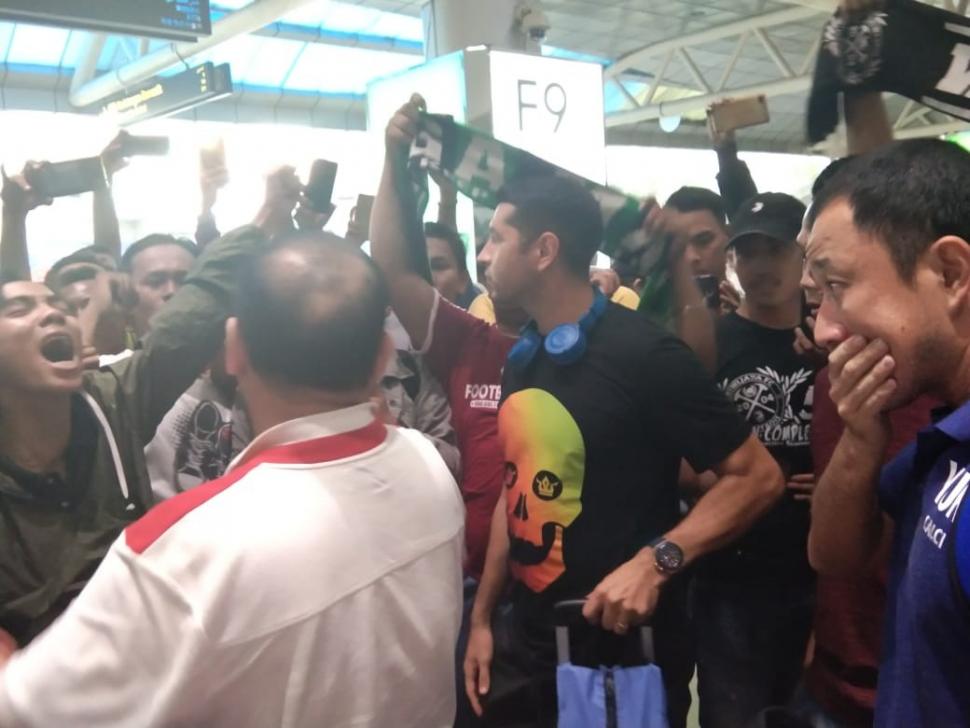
column 752, row 601
column 593, row 440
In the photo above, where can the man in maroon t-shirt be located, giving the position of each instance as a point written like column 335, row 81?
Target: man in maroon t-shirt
column 465, row 353
column 467, row 356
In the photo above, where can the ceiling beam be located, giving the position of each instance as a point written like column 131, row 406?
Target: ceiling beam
column 766, row 20
column 679, row 107
column 306, row 34
column 251, row 17
column 933, row 130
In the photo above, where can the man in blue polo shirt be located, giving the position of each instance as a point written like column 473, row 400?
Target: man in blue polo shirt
column 890, row 249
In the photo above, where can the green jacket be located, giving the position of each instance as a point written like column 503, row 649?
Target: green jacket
column 50, row 547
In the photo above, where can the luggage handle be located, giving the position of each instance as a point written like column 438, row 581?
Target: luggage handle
column 570, row 612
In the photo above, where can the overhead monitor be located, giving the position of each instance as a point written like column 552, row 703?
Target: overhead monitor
column 170, row 95
column 175, row 19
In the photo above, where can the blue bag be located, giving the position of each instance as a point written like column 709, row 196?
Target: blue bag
column 608, row 697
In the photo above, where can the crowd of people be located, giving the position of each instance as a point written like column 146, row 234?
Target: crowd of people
column 264, row 478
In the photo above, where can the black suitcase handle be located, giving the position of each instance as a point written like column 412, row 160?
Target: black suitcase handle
column 569, row 612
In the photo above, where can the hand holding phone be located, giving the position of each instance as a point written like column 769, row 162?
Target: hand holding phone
column 135, row 146
column 115, row 156
column 358, row 229
column 212, row 163
column 711, row 291
column 18, row 195
column 727, row 116
column 319, row 190
column 62, row 179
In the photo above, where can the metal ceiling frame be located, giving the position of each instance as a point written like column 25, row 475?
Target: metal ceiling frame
column 912, row 121
column 246, row 20
column 790, row 80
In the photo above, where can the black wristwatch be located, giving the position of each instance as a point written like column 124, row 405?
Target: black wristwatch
column 668, row 556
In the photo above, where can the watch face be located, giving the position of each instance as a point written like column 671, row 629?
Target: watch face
column 669, row 557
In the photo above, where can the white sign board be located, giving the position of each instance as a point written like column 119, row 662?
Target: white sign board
column 552, row 108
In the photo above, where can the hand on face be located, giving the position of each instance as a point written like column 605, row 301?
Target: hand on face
column 862, row 384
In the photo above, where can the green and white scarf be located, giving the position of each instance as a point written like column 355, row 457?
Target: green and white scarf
column 479, row 165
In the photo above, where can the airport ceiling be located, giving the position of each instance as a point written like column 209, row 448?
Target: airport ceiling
column 661, row 58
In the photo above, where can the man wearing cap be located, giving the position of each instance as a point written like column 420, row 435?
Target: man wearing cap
column 752, row 600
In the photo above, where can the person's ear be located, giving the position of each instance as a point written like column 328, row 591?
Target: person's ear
column 237, row 358
column 950, row 257
column 547, row 248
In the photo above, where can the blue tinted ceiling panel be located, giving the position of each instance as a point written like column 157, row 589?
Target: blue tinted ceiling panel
column 269, row 63
column 615, row 100
column 237, row 52
column 555, row 52
column 339, row 69
column 228, row 5
column 77, row 46
column 37, row 45
column 399, row 26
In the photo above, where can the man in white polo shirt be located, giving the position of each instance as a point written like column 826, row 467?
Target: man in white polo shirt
column 318, row 583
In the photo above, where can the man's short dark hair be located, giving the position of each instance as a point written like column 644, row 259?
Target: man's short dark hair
column 84, row 256
column 450, row 236
column 562, row 206
column 311, row 314
column 907, row 195
column 693, row 199
column 150, row 241
column 824, row 177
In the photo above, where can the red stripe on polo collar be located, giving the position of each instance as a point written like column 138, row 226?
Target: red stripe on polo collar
column 148, row 529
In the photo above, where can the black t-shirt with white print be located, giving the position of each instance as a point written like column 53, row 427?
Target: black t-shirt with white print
column 772, row 387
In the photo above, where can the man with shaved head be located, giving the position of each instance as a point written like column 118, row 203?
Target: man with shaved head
column 317, row 583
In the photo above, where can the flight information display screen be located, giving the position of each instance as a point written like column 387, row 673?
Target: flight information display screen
column 175, row 19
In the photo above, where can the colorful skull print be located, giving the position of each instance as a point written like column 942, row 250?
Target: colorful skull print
column 545, row 467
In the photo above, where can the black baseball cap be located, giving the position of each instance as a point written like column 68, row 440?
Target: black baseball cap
column 774, row 214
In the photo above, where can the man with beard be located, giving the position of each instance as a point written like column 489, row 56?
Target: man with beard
column 598, row 407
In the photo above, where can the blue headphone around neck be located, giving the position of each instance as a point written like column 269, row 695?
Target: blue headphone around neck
column 565, row 344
